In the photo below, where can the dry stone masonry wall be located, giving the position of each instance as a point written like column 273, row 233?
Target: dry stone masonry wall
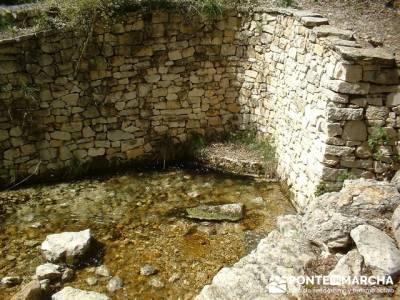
column 286, row 73
column 310, row 87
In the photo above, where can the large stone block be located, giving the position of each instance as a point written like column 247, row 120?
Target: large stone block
column 346, row 72
column 355, row 131
column 360, row 88
column 343, row 114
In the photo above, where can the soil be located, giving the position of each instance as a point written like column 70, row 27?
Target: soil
column 375, row 24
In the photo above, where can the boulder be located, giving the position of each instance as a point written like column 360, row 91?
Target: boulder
column 66, row 247
column 69, row 293
column 348, row 265
column 396, row 225
column 329, row 228
column 373, row 201
column 227, row 212
column 289, row 225
column 275, row 257
column 48, row 271
column 30, row 291
column 378, row 250
column 396, row 180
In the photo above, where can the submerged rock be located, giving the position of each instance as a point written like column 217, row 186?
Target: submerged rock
column 102, row 271
column 67, row 246
column 378, row 249
column 115, row 284
column 48, row 271
column 156, row 282
column 11, row 280
column 30, row 291
column 148, row 270
column 91, row 281
column 69, row 293
column 224, row 212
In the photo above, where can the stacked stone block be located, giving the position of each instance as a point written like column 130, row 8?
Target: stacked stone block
column 66, row 99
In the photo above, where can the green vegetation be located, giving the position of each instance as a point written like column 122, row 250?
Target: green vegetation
column 288, row 3
column 345, row 175
column 5, row 23
column 321, row 189
column 84, row 12
column 16, row 2
column 258, row 144
column 378, row 137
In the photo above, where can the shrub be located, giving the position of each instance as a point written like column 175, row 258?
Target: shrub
column 288, row 3
column 378, row 137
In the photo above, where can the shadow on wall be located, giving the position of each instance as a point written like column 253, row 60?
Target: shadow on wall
column 69, row 103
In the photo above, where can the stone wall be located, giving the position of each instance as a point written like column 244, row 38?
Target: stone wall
column 153, row 76
column 319, row 95
column 287, row 73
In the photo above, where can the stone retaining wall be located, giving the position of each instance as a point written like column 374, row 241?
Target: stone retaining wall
column 310, row 87
column 157, row 75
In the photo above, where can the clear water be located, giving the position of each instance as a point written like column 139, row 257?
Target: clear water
column 137, row 219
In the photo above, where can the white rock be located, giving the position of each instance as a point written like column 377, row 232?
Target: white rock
column 114, row 284
column 329, row 227
column 276, row 255
column 377, row 248
column 66, row 246
column 91, row 281
column 231, row 212
column 348, row 265
column 11, row 280
column 156, row 282
column 102, row 271
column 69, row 293
column 396, row 225
column 48, row 271
column 148, row 270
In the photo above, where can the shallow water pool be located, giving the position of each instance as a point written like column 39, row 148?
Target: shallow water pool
column 138, row 218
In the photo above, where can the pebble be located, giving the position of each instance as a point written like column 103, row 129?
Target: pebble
column 156, row 282
column 174, row 277
column 11, row 281
column 115, row 284
column 91, row 281
column 102, row 271
column 148, row 270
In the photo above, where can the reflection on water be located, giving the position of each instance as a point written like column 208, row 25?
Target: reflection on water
column 138, row 219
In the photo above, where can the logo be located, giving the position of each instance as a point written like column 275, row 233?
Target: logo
column 277, row 285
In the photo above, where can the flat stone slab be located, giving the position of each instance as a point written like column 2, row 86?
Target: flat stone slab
column 67, row 246
column 236, row 159
column 224, row 212
column 69, row 293
column 377, row 248
column 314, row 21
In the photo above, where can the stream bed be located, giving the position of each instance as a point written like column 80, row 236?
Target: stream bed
column 138, row 219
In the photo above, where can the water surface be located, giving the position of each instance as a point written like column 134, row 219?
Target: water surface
column 138, row 219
